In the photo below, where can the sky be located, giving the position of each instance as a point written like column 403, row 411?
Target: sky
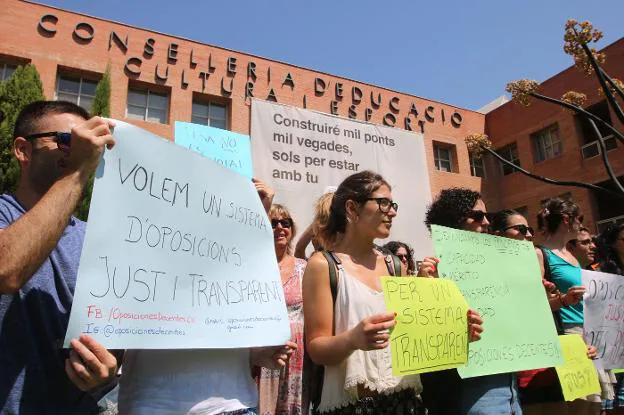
column 461, row 53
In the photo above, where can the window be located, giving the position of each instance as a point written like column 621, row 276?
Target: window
column 80, row 91
column 546, row 143
column 510, row 153
column 209, row 113
column 147, row 105
column 443, row 158
column 6, row 70
column 590, row 147
column 477, row 168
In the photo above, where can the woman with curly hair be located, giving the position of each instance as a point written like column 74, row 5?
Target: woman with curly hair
column 405, row 253
column 444, row 393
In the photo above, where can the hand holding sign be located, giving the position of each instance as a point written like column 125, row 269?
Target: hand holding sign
column 578, row 376
column 431, row 332
column 87, row 144
column 372, row 333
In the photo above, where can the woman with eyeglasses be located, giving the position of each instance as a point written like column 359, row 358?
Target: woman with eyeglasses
column 281, row 392
column 512, row 224
column 405, row 253
column 560, row 220
column 349, row 334
column 444, row 392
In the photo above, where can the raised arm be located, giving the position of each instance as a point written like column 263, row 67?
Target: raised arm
column 27, row 242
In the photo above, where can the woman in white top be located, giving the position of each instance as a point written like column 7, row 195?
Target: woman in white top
column 351, row 337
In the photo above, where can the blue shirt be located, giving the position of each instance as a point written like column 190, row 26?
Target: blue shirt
column 33, row 322
column 565, row 275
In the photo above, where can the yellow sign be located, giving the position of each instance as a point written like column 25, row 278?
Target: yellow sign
column 432, row 329
column 578, row 376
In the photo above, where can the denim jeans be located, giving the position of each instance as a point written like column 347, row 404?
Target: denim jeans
column 488, row 395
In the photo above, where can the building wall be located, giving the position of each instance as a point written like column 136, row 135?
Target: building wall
column 26, row 35
column 513, row 123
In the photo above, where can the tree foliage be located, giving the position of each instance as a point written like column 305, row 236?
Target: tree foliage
column 101, row 107
column 22, row 88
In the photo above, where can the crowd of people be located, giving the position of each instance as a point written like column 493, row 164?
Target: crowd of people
column 338, row 359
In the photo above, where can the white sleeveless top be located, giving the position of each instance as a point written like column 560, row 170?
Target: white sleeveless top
column 371, row 369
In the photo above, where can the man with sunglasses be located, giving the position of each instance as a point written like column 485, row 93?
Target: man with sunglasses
column 58, row 146
column 583, row 248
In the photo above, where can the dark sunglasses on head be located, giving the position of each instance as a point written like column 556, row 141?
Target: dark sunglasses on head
column 384, row 204
column 523, row 229
column 286, row 223
column 477, row 215
column 59, row 137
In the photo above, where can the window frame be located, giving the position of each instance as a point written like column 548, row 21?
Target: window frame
column 540, row 149
column 79, row 95
column 210, row 103
column 148, row 92
column 472, row 161
column 3, row 70
column 516, row 160
column 437, row 159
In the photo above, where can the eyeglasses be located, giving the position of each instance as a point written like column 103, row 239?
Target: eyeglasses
column 477, row 215
column 285, row 223
column 384, row 204
column 402, row 257
column 523, row 229
column 59, row 137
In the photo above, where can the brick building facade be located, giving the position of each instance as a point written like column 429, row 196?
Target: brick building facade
column 158, row 79
column 551, row 141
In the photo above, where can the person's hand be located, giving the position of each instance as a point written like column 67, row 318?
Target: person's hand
column 372, row 332
column 265, row 192
column 475, row 325
column 87, row 145
column 274, row 357
column 573, row 295
column 429, row 267
column 592, row 352
column 89, row 364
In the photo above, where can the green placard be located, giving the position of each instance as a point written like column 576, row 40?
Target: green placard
column 577, row 376
column 432, row 329
column 500, row 278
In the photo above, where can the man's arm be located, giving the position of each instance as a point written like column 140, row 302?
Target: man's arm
column 25, row 244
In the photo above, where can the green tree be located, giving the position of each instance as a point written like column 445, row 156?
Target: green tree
column 101, row 107
column 16, row 92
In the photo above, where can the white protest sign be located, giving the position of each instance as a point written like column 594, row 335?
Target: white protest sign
column 604, row 316
column 301, row 152
column 178, row 254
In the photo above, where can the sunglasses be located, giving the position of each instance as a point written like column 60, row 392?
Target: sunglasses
column 285, row 223
column 384, row 204
column 477, row 215
column 402, row 256
column 59, row 137
column 523, row 229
